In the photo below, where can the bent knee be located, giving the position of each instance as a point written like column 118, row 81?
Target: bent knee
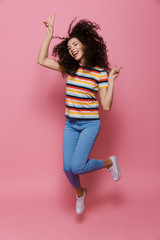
column 76, row 169
column 67, row 169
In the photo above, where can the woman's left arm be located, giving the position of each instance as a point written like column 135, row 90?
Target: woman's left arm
column 106, row 94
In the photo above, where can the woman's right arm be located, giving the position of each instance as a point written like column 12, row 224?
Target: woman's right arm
column 43, row 53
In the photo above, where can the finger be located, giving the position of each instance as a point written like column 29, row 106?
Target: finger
column 115, row 66
column 117, row 70
column 116, row 75
column 120, row 68
column 52, row 21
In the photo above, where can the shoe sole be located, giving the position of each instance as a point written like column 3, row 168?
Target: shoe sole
column 118, row 169
column 119, row 173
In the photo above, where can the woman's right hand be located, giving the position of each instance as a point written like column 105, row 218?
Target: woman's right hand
column 114, row 73
column 49, row 25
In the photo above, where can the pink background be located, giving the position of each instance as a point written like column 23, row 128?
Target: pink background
column 36, row 199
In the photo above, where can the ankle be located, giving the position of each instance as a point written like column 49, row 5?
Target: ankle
column 79, row 192
column 107, row 163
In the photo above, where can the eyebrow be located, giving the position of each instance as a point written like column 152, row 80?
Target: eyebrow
column 72, row 43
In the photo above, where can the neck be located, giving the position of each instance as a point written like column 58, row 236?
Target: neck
column 81, row 62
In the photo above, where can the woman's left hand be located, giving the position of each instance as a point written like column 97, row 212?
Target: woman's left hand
column 114, row 73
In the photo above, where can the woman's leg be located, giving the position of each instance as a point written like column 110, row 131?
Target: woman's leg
column 80, row 163
column 70, row 140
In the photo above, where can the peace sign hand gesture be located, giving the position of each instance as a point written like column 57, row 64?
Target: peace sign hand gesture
column 114, row 73
column 49, row 25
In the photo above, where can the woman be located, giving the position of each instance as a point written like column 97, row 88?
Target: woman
column 82, row 57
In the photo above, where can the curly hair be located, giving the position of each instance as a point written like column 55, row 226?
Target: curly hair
column 95, row 50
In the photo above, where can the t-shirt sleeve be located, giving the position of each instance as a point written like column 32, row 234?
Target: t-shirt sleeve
column 103, row 79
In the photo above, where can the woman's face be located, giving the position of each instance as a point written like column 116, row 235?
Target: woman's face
column 76, row 50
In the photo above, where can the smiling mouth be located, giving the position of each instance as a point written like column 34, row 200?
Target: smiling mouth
column 75, row 54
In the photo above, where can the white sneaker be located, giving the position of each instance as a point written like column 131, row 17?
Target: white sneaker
column 114, row 170
column 80, row 202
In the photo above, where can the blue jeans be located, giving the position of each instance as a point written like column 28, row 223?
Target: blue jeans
column 78, row 141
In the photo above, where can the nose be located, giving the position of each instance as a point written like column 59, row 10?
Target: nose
column 72, row 49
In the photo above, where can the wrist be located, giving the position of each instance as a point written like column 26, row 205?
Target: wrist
column 111, row 80
column 49, row 36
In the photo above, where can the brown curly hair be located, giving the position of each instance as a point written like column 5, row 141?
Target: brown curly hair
column 95, row 50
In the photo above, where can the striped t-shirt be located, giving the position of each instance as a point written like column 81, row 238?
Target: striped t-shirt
column 81, row 91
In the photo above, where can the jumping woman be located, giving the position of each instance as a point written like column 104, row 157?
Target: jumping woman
column 82, row 59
